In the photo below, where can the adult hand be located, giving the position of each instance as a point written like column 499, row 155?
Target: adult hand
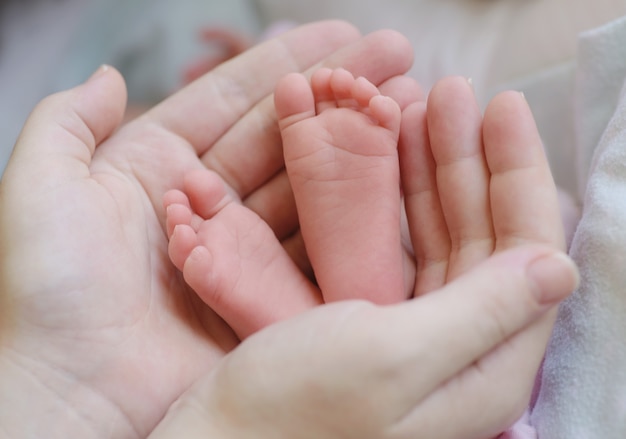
column 427, row 368
column 480, row 185
column 459, row 360
column 99, row 333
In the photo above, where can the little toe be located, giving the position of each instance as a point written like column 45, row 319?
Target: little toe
column 198, row 265
column 183, row 240
column 177, row 214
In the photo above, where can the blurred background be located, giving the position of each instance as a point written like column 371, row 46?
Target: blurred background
column 159, row 45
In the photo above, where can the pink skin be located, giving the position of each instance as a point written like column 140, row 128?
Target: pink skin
column 340, row 141
column 473, row 187
column 232, row 259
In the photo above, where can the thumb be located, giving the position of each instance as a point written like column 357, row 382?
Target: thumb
column 503, row 295
column 61, row 134
column 489, row 329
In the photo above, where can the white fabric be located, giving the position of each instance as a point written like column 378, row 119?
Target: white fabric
column 583, row 388
column 573, row 86
column 527, row 45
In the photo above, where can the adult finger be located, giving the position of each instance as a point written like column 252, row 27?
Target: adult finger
column 496, row 389
column 463, row 321
column 525, row 205
column 454, row 126
column 411, row 358
column 61, row 135
column 250, row 152
column 402, row 89
column 426, row 223
column 206, row 109
column 274, row 201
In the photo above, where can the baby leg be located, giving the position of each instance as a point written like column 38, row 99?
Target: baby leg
column 231, row 258
column 340, row 145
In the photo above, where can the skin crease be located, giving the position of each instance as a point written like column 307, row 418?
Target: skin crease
column 508, row 179
column 107, row 350
column 87, row 327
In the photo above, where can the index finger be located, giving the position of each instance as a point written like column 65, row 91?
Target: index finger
column 203, row 111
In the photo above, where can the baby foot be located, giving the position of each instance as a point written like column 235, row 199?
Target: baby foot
column 231, row 258
column 340, row 145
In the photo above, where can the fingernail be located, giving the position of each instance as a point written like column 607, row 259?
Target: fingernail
column 99, row 72
column 555, row 277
